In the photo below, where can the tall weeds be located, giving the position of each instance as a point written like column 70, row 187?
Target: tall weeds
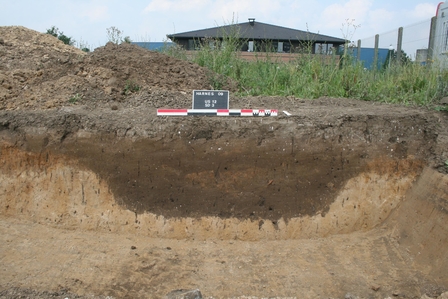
column 313, row 76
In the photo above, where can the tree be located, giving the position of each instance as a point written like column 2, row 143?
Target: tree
column 405, row 59
column 60, row 35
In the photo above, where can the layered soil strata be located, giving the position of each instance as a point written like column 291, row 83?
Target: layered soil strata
column 100, row 197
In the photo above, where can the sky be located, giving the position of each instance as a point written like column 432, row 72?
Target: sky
column 86, row 21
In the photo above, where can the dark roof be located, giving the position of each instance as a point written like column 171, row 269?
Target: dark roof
column 258, row 31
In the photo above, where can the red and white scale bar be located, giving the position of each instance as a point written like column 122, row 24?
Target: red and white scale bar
column 218, row 112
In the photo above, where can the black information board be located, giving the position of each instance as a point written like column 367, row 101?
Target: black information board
column 210, row 99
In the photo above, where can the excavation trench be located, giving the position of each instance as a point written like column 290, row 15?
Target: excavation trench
column 207, row 178
column 315, row 205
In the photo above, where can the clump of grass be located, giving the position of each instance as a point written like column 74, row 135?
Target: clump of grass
column 75, row 98
column 131, row 87
column 175, row 51
column 441, row 108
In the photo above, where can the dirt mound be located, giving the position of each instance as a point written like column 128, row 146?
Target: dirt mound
column 26, row 49
column 37, row 71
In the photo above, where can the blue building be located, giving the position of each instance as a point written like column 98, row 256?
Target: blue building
column 154, row 46
column 367, row 57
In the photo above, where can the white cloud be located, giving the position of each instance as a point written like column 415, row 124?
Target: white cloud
column 174, row 5
column 423, row 11
column 225, row 11
column 386, row 22
column 338, row 15
column 381, row 20
column 159, row 5
column 258, row 9
column 95, row 13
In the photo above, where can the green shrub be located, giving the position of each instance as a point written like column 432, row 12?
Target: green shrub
column 60, row 35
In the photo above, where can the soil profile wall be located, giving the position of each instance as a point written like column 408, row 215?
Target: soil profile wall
column 50, row 189
column 202, row 178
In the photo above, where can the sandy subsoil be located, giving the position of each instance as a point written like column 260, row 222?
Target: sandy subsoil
column 101, row 197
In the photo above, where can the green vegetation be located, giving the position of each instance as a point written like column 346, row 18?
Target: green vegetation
column 405, row 59
column 83, row 46
column 307, row 75
column 312, row 76
column 130, row 87
column 75, row 98
column 60, row 35
column 441, row 108
column 115, row 35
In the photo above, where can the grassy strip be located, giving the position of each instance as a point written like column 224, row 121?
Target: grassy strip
column 310, row 77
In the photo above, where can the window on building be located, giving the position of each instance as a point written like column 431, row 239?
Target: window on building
column 190, row 44
column 251, row 46
column 323, row 48
column 280, row 47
